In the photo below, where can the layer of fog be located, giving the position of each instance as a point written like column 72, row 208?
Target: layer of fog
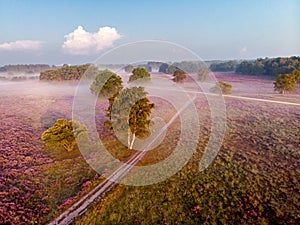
column 30, row 88
column 18, row 76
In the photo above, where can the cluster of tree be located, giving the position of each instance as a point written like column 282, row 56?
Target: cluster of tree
column 25, row 68
column 267, row 66
column 222, row 88
column 224, row 66
column 68, row 72
column 131, row 105
column 287, row 82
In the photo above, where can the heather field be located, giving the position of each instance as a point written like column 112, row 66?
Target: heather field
column 35, row 183
column 255, row 178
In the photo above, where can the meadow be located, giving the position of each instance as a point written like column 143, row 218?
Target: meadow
column 253, row 180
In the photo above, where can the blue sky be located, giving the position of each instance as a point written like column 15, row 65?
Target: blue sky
column 35, row 31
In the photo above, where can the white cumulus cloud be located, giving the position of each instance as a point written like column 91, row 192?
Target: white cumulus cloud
column 81, row 42
column 21, row 45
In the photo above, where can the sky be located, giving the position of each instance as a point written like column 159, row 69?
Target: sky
column 75, row 32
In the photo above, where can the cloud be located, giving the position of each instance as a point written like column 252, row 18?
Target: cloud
column 81, row 42
column 244, row 50
column 21, row 45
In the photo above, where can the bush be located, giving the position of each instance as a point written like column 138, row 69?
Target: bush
column 63, row 134
column 222, row 87
column 179, row 76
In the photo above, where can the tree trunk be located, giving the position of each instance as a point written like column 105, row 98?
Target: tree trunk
column 132, row 141
column 128, row 138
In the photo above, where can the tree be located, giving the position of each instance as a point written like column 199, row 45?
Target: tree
column 128, row 68
column 203, row 74
column 113, row 83
column 163, row 68
column 63, row 134
column 130, row 110
column 139, row 73
column 285, row 83
column 179, row 76
column 222, row 87
column 171, row 69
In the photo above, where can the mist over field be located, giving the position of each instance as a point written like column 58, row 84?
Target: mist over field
column 36, row 88
column 18, row 76
column 257, row 137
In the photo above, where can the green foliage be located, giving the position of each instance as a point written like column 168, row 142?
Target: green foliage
column 224, row 66
column 222, row 87
column 179, row 76
column 68, row 73
column 268, row 66
column 296, row 73
column 132, row 108
column 113, row 83
column 285, row 83
column 139, row 73
column 203, row 74
column 63, row 134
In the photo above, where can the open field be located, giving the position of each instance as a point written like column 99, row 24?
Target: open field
column 255, row 178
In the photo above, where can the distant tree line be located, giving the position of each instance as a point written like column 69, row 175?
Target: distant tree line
column 25, row 68
column 260, row 66
column 186, row 66
column 224, row 66
column 269, row 66
column 67, row 72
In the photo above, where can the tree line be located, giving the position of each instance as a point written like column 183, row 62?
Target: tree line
column 25, row 68
column 269, row 66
